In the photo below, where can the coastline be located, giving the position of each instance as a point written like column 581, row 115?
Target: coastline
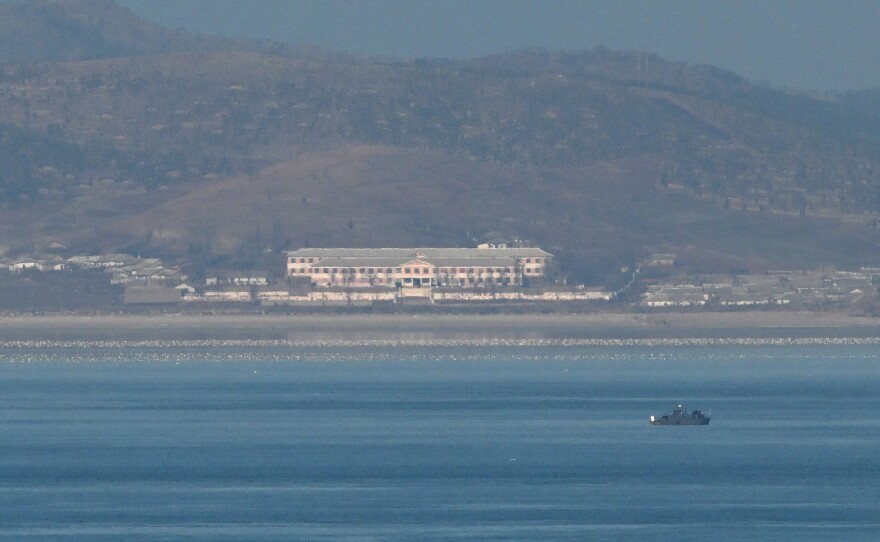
column 426, row 326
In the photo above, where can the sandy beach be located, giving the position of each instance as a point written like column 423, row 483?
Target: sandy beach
column 372, row 326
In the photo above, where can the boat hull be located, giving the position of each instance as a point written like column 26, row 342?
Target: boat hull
column 681, row 421
column 681, row 416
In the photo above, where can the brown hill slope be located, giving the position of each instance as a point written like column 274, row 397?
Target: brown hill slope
column 594, row 218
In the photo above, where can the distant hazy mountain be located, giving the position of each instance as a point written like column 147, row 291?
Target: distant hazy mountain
column 58, row 30
column 117, row 133
column 866, row 102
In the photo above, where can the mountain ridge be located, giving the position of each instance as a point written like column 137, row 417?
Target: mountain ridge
column 601, row 156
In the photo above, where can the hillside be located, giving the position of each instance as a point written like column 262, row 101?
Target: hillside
column 120, row 134
column 60, row 30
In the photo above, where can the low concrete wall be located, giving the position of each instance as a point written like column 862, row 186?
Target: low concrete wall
column 521, row 296
column 337, row 296
column 135, row 295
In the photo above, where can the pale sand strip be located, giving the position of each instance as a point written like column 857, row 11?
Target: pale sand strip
column 275, row 326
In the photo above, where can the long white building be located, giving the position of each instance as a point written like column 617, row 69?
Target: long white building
column 417, row 267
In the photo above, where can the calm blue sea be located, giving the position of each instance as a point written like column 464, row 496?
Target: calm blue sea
column 434, row 443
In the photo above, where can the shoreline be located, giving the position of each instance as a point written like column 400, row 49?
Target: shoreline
column 427, row 327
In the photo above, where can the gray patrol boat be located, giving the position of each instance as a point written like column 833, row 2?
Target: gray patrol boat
column 680, row 416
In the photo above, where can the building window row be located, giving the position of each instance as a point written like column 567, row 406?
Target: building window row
column 411, row 270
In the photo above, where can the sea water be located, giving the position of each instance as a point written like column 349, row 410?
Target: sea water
column 262, row 442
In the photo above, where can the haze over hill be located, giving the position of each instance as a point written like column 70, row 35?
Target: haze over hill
column 818, row 46
column 118, row 134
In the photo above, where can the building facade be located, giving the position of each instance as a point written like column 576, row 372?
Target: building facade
column 417, row 267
